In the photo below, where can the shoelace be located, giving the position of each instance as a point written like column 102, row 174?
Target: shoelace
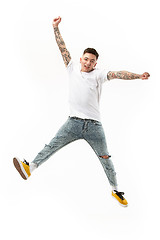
column 119, row 194
column 27, row 163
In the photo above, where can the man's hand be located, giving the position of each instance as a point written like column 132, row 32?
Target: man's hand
column 56, row 22
column 145, row 76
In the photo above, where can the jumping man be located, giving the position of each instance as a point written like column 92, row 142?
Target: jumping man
column 84, row 122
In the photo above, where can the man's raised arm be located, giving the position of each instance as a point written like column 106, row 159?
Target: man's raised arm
column 127, row 75
column 61, row 44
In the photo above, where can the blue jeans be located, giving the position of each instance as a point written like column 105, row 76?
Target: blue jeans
column 77, row 128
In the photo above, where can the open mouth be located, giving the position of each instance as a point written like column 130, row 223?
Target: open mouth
column 86, row 67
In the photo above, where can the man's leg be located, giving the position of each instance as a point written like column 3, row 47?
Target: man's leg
column 96, row 138
column 64, row 136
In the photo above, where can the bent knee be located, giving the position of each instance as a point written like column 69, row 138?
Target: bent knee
column 105, row 156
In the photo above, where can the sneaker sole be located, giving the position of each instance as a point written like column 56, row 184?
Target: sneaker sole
column 18, row 165
column 122, row 205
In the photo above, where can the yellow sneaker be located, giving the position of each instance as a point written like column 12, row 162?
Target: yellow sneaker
column 22, row 167
column 119, row 197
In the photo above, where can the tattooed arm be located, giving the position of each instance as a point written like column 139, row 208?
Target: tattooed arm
column 61, row 44
column 127, row 75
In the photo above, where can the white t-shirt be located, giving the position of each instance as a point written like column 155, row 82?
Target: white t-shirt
column 85, row 91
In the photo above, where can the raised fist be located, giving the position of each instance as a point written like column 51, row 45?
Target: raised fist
column 145, row 75
column 56, row 21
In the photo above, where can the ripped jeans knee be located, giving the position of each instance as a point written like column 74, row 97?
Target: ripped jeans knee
column 105, row 156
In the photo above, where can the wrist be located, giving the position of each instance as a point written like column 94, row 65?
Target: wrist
column 55, row 26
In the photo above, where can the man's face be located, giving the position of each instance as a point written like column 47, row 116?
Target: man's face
column 88, row 62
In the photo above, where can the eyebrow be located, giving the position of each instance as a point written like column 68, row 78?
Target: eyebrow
column 90, row 59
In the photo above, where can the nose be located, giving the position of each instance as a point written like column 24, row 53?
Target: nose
column 88, row 63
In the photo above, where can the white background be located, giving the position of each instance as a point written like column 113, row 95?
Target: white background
column 69, row 196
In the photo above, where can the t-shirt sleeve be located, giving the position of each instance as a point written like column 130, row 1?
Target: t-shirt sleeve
column 70, row 67
column 102, row 75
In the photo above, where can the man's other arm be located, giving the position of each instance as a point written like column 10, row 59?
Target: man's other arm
column 127, row 75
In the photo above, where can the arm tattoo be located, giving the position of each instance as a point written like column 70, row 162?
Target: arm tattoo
column 62, row 47
column 123, row 75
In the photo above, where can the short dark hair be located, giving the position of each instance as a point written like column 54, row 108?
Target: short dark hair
column 91, row 50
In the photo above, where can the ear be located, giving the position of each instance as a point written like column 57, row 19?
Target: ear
column 80, row 60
